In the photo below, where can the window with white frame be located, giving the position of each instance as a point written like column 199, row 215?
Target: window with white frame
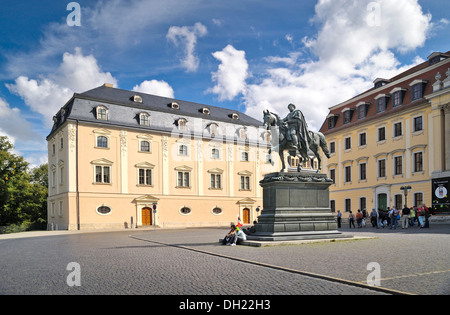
column 183, row 179
column 397, row 132
column 418, row 161
column 144, row 146
column 216, row 181
column 102, row 142
column 102, row 171
column 102, row 113
column 183, row 150
column 398, row 165
column 144, row 119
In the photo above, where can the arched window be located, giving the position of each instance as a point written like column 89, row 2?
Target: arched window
column 102, row 113
column 145, row 146
column 144, row 119
column 102, row 142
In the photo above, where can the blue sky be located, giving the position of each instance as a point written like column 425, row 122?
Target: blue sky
column 247, row 55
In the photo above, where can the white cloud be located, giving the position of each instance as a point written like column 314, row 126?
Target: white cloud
column 46, row 95
column 187, row 36
column 13, row 124
column 231, row 74
column 155, row 87
column 348, row 53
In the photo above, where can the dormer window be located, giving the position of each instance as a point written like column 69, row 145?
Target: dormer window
column 242, row 133
column 235, row 116
column 205, row 111
column 174, row 105
column 417, row 88
column 380, row 82
column 182, row 124
column 332, row 119
column 213, row 129
column 347, row 115
column 144, row 119
column 397, row 96
column 136, row 99
column 381, row 100
column 362, row 108
column 102, row 113
column 436, row 57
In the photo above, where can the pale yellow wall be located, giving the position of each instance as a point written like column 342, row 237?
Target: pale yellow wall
column 405, row 145
column 126, row 198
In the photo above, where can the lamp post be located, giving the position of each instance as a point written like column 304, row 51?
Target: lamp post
column 154, row 211
column 405, row 189
column 257, row 211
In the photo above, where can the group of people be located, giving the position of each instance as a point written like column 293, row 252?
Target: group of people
column 389, row 218
column 234, row 235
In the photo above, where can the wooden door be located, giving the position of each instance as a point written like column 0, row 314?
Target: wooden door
column 146, row 216
column 246, row 215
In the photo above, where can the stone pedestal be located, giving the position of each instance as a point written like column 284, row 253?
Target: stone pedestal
column 295, row 207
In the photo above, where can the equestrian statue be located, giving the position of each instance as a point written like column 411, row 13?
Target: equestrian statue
column 292, row 134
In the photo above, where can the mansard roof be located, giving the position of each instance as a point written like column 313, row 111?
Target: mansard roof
column 124, row 107
column 423, row 73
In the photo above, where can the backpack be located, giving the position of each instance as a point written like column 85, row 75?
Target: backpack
column 395, row 213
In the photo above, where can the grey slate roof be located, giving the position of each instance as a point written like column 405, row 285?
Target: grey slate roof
column 123, row 111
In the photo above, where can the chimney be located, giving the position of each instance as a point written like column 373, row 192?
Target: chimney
column 108, row 85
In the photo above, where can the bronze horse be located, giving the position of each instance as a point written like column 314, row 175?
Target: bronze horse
column 273, row 122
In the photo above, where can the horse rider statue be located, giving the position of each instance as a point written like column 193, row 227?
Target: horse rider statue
column 297, row 129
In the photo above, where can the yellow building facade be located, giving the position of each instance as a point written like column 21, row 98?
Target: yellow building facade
column 121, row 159
column 395, row 135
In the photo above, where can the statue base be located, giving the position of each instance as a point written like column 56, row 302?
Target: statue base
column 295, row 207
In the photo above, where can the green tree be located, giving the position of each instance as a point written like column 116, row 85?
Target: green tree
column 23, row 193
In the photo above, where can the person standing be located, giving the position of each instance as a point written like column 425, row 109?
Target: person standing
column 339, row 218
column 413, row 216
column 405, row 217
column 351, row 220
column 422, row 213
column 374, row 218
column 394, row 218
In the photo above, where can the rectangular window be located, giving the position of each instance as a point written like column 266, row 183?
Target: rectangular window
column 145, row 176
column 397, row 129
column 398, row 98
column 416, row 92
column 381, row 168
column 183, row 150
column 363, row 171
column 348, row 205
column 333, row 175
column 60, row 208
column 418, row 123
column 381, row 134
column 348, row 174
column 381, row 104
column 362, row 139
column 348, row 143
column 332, row 147
column 347, row 116
column 215, row 154
column 102, row 174
column 362, row 203
column 183, row 179
column 418, row 199
column 362, row 111
column 245, row 182
column 333, row 205
column 398, row 165
column 398, row 199
column 418, row 162
column 216, row 181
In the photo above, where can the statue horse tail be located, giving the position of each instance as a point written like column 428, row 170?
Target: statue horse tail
column 323, row 144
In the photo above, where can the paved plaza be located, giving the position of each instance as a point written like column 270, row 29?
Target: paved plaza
column 192, row 262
